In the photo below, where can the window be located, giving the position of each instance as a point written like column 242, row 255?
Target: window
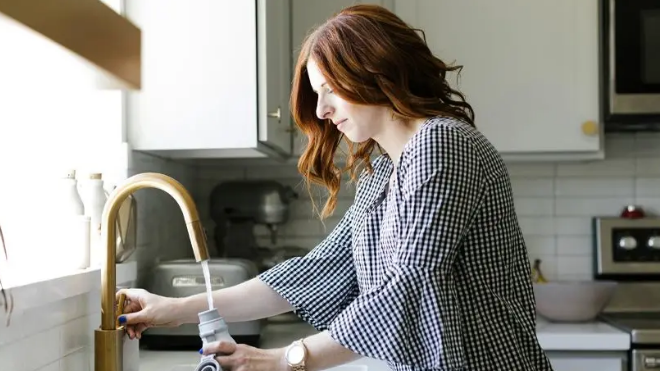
column 48, row 125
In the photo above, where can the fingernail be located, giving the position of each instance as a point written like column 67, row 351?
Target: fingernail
column 201, row 351
column 122, row 319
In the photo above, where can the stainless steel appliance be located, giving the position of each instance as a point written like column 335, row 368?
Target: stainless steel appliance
column 630, row 55
column 237, row 207
column 628, row 250
column 181, row 278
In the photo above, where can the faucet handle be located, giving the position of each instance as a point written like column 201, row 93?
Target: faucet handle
column 120, row 308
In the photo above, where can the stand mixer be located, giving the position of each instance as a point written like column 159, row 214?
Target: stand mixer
column 238, row 206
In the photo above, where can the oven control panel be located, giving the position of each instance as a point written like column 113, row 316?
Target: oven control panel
column 624, row 246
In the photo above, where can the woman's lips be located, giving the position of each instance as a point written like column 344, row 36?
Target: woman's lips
column 340, row 124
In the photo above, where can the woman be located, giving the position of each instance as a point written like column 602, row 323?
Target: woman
column 428, row 269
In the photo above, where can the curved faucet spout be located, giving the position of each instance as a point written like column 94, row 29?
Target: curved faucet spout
column 108, row 337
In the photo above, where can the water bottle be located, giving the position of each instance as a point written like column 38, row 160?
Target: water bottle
column 212, row 328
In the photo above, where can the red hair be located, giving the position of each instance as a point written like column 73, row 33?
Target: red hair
column 369, row 56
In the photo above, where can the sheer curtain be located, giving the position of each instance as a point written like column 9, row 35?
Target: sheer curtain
column 48, row 126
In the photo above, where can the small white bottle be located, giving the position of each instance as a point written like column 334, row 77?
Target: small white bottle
column 71, row 227
column 94, row 199
column 70, row 203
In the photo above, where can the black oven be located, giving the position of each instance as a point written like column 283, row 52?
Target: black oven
column 630, row 57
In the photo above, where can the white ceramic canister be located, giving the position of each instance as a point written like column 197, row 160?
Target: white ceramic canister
column 94, row 199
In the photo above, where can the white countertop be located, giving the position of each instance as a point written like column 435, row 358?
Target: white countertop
column 590, row 336
column 593, row 336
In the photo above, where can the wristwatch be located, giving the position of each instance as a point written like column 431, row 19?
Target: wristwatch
column 295, row 355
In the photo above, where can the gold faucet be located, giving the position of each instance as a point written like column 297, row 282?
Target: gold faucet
column 108, row 339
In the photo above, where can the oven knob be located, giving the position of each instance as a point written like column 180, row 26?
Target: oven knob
column 654, row 242
column 627, row 243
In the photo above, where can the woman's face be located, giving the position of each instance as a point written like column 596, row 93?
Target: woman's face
column 358, row 122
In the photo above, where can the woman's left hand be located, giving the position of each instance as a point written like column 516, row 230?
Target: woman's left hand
column 241, row 357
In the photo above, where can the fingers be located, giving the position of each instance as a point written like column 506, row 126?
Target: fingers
column 218, row 347
column 133, row 318
column 131, row 294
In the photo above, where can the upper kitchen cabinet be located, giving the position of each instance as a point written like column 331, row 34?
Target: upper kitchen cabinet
column 216, row 78
column 530, row 70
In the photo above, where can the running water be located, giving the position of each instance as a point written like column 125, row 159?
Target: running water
column 207, row 279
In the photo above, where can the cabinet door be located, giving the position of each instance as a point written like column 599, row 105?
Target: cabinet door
column 199, row 75
column 274, row 61
column 530, row 67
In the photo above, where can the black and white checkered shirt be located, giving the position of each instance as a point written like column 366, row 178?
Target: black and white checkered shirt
column 429, row 272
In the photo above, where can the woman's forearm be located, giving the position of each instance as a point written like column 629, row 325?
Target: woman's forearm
column 247, row 301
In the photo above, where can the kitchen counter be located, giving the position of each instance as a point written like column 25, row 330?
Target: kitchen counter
column 593, row 336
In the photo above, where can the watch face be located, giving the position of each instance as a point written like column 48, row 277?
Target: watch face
column 295, row 355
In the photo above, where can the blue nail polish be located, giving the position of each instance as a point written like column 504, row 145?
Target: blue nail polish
column 122, row 319
column 201, row 351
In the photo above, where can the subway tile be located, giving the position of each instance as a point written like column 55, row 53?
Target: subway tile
column 601, row 206
column 573, row 226
column 651, row 205
column 530, row 170
column 574, row 246
column 620, row 146
column 646, row 145
column 534, row 206
column 537, row 226
column 541, row 245
column 532, row 187
column 574, row 267
column 647, row 187
column 647, row 167
column 597, row 187
column 624, row 167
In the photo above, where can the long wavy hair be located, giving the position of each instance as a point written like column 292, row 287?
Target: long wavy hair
column 369, row 56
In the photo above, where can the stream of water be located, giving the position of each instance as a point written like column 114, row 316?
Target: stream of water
column 207, row 279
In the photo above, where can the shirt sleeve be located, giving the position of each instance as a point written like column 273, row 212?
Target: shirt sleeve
column 322, row 283
column 412, row 317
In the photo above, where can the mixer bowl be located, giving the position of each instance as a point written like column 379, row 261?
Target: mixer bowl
column 572, row 301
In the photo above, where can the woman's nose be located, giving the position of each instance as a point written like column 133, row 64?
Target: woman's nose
column 323, row 110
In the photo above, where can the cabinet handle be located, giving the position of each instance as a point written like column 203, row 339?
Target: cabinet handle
column 277, row 114
column 590, row 128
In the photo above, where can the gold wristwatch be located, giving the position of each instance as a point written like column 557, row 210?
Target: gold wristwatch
column 295, row 355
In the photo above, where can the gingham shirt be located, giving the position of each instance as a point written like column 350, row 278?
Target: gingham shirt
column 429, row 272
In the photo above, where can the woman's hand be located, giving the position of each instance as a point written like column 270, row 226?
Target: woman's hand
column 241, row 357
column 144, row 309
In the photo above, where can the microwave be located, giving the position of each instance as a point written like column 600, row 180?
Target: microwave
column 630, row 64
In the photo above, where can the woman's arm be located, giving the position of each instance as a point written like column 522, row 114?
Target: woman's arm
column 301, row 283
column 247, row 301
